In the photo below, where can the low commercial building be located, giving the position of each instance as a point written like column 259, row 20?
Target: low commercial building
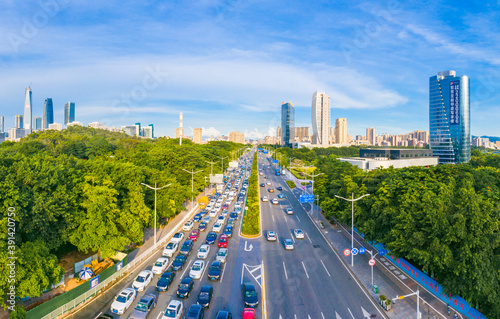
column 398, row 158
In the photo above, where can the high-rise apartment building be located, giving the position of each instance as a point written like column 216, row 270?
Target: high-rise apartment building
column 2, row 127
column 141, row 132
column 38, row 123
column 287, row 124
column 302, row 134
column 28, row 106
column 69, row 112
column 278, row 132
column 197, row 134
column 19, row 122
column 341, row 131
column 147, row 132
column 152, row 130
column 130, row 130
column 237, row 137
column 48, row 113
column 449, row 117
column 371, row 136
column 320, row 115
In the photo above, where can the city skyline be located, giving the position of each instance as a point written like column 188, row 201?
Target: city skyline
column 374, row 65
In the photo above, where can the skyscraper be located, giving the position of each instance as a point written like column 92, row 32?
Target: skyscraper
column 287, row 124
column 197, row 133
column 449, row 117
column 371, row 136
column 147, row 132
column 141, row 132
column 152, row 130
column 320, row 115
column 341, row 131
column 48, row 113
column 19, row 122
column 237, row 137
column 38, row 123
column 69, row 112
column 28, row 126
column 2, row 124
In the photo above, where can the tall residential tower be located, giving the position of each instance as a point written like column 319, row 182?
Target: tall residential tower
column 320, row 115
column 341, row 131
column 28, row 112
column 287, row 124
column 48, row 113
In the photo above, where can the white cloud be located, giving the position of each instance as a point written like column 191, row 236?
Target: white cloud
column 256, row 134
column 210, row 131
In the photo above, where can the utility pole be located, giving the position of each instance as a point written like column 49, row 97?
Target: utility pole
column 155, row 189
column 192, row 181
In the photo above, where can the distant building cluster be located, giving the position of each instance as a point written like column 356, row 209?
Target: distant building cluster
column 485, row 142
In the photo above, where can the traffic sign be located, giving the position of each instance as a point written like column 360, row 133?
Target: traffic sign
column 347, row 252
column 371, row 262
column 362, row 250
column 354, row 251
column 307, row 198
column 382, row 252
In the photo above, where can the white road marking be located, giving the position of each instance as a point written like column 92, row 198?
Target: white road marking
column 309, row 238
column 272, row 217
column 159, row 315
column 305, row 269
column 286, row 275
column 336, row 315
column 325, row 268
column 242, row 272
column 295, row 316
column 223, row 271
column 203, row 274
column 186, row 269
column 322, row 316
column 351, row 313
column 297, row 217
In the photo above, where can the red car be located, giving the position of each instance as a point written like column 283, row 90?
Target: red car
column 194, row 235
column 223, row 241
column 249, row 313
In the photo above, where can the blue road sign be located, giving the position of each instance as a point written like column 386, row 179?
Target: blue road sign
column 275, row 161
column 354, row 251
column 307, row 198
column 362, row 250
column 382, row 252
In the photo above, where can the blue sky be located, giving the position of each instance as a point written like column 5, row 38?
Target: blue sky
column 229, row 64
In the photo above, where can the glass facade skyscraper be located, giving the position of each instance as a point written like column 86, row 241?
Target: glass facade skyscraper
column 48, row 113
column 69, row 112
column 1, row 124
column 449, row 117
column 287, row 124
column 28, row 125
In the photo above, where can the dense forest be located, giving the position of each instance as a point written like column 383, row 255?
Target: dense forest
column 81, row 187
column 445, row 219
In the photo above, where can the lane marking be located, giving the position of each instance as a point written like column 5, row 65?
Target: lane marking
column 286, row 275
column 322, row 316
column 309, row 238
column 295, row 316
column 325, row 268
column 223, row 271
column 297, row 217
column 305, row 269
column 263, row 287
column 203, row 274
column 159, row 315
column 186, row 269
column 273, row 218
column 351, row 313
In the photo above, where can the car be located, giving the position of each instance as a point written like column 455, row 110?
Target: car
column 144, row 307
column 205, row 296
column 261, row 172
column 280, row 195
column 228, row 231
column 188, row 225
column 237, row 210
column 197, row 269
column 233, row 215
column 279, row 188
column 266, row 177
column 224, row 314
column 185, row 287
column 178, row 237
column 248, row 313
column 270, row 190
column 275, row 201
column 186, row 247
column 262, row 185
column 211, row 238
column 165, row 280
column 288, row 244
column 221, row 219
column 197, row 217
column 222, row 254
column 299, row 234
column 271, row 235
column 225, row 206
column 203, row 225
column 123, row 301
column 265, row 199
column 250, row 295
column 217, row 227
column 105, row 316
column 289, row 211
column 194, row 234
column 215, row 270
column 174, row 310
column 160, row 265
column 203, row 251
column 224, row 213
column 268, row 183
column 195, row 312
column 223, row 241
column 213, row 213
column 142, row 280
column 171, row 248
column 179, row 262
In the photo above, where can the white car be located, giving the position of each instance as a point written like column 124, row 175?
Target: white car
column 203, row 251
column 213, row 213
column 160, row 265
column 217, row 228
column 275, row 201
column 197, row 269
column 170, row 249
column 124, row 299
column 143, row 280
column 299, row 234
column 188, row 225
column 221, row 219
column 206, row 219
column 177, row 238
column 222, row 254
column 174, row 310
column 268, row 183
column 265, row 199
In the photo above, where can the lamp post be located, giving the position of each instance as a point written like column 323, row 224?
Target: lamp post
column 222, row 164
column 312, row 207
column 290, row 167
column 192, row 181
column 155, row 189
column 352, row 221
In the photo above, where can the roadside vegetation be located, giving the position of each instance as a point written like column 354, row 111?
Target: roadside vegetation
column 291, row 184
column 251, row 219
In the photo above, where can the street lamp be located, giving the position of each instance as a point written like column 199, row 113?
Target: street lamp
column 352, row 221
column 313, row 192
column 155, row 189
column 192, row 181
column 222, row 164
column 291, row 158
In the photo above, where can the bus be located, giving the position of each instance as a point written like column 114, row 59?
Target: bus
column 278, row 172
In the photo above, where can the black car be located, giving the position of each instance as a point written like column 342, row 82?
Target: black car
column 186, row 247
column 250, row 295
column 215, row 270
column 262, row 185
column 223, row 314
column 211, row 238
column 165, row 280
column 205, row 296
column 185, row 287
column 179, row 262
column 195, row 312
column 234, row 215
column 279, row 188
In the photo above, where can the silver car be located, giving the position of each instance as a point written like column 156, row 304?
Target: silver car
column 144, row 307
column 222, row 254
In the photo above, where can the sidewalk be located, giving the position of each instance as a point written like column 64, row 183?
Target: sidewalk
column 390, row 280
